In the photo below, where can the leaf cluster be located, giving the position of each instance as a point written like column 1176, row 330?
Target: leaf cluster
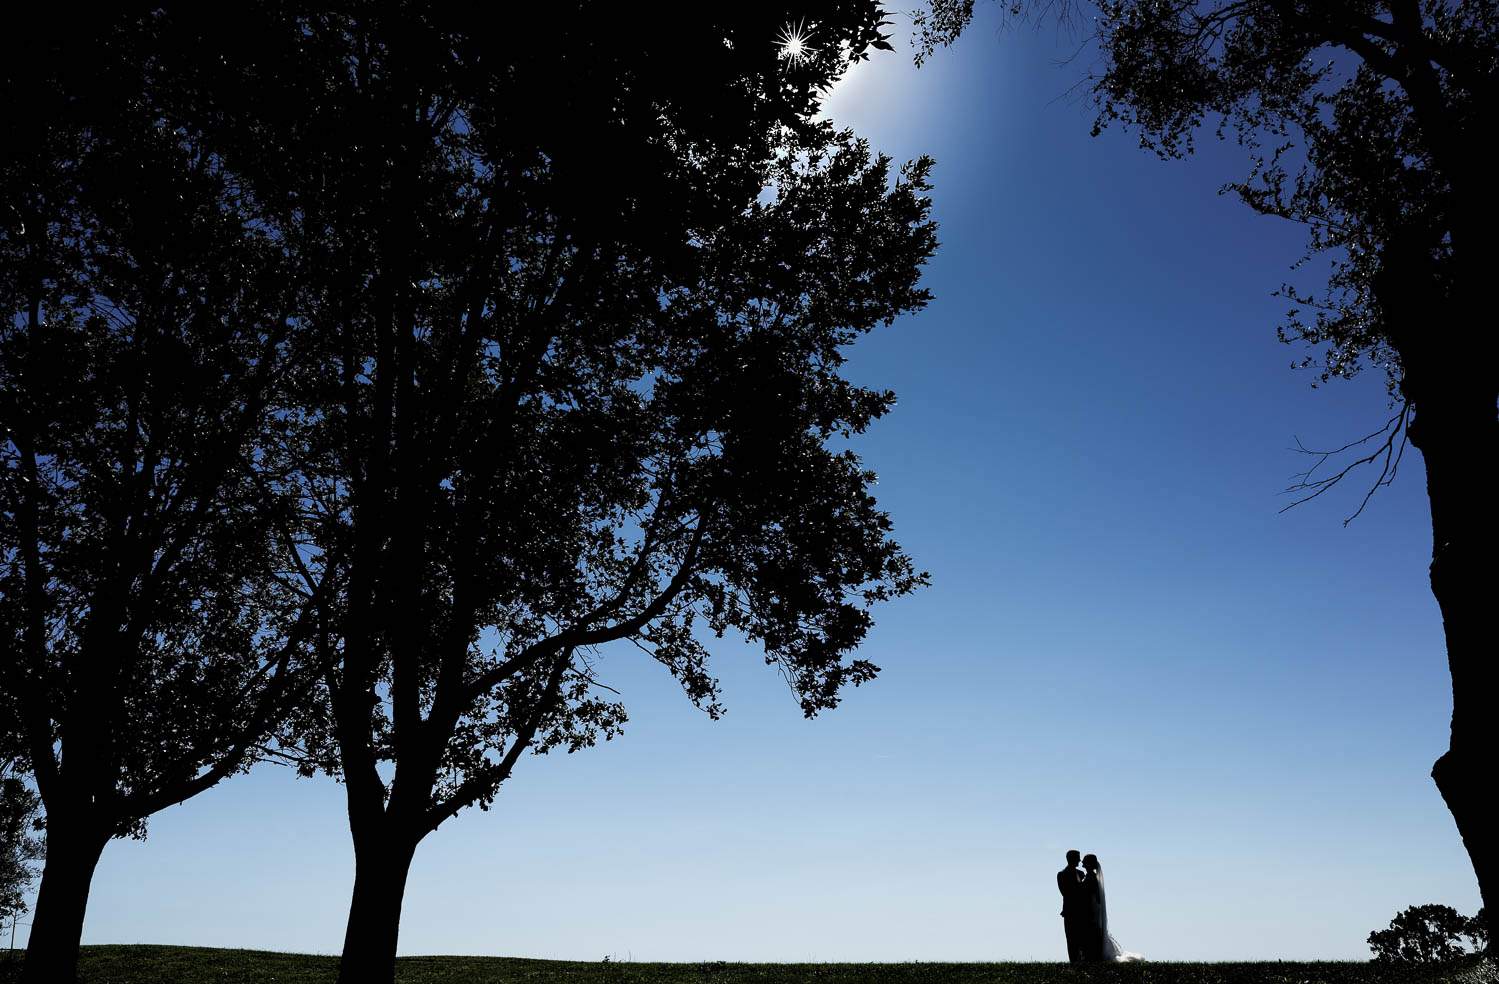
column 20, row 847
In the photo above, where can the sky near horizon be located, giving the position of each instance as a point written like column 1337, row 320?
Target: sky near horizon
column 1125, row 649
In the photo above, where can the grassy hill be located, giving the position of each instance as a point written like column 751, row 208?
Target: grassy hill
column 201, row 965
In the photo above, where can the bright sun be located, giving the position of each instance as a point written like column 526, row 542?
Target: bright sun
column 792, row 44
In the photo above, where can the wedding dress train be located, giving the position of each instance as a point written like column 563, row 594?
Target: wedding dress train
column 1114, row 953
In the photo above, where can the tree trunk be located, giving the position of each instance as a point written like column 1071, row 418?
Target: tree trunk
column 57, row 926
column 381, row 863
column 1456, row 431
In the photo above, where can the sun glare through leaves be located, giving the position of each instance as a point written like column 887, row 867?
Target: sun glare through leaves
column 792, row 44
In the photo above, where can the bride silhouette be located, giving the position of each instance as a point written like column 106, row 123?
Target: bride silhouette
column 1104, row 946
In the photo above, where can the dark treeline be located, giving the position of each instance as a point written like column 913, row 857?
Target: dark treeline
column 366, row 366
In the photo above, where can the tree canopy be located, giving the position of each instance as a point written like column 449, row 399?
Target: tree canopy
column 1362, row 120
column 153, row 646
column 552, row 309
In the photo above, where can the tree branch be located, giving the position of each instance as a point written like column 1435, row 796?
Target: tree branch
column 1392, row 453
column 34, row 676
column 474, row 787
column 581, row 635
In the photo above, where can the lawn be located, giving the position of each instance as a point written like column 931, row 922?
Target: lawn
column 199, row 965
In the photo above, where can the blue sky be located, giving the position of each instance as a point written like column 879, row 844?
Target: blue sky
column 1125, row 649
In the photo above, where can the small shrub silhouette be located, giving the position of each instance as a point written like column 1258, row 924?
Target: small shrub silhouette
column 1429, row 934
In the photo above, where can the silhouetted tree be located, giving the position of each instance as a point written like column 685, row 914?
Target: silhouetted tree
column 581, row 283
column 150, row 645
column 1428, row 934
column 20, row 848
column 1478, row 931
column 1368, row 120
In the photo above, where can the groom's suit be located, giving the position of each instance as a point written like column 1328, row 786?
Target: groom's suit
column 1077, row 914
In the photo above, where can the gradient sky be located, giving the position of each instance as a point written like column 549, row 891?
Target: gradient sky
column 1125, row 649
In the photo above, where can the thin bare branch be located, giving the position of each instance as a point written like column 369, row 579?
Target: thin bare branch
column 1390, row 451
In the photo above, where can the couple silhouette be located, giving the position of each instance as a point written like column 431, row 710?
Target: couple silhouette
column 1085, row 913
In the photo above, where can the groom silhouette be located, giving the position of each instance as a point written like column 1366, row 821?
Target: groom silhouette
column 1076, row 912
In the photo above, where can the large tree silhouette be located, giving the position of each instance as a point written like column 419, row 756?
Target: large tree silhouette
column 149, row 644
column 1368, row 121
column 579, row 286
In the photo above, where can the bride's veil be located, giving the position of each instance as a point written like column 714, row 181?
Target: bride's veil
column 1112, row 951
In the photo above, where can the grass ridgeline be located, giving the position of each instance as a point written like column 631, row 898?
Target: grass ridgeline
column 202, row 965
